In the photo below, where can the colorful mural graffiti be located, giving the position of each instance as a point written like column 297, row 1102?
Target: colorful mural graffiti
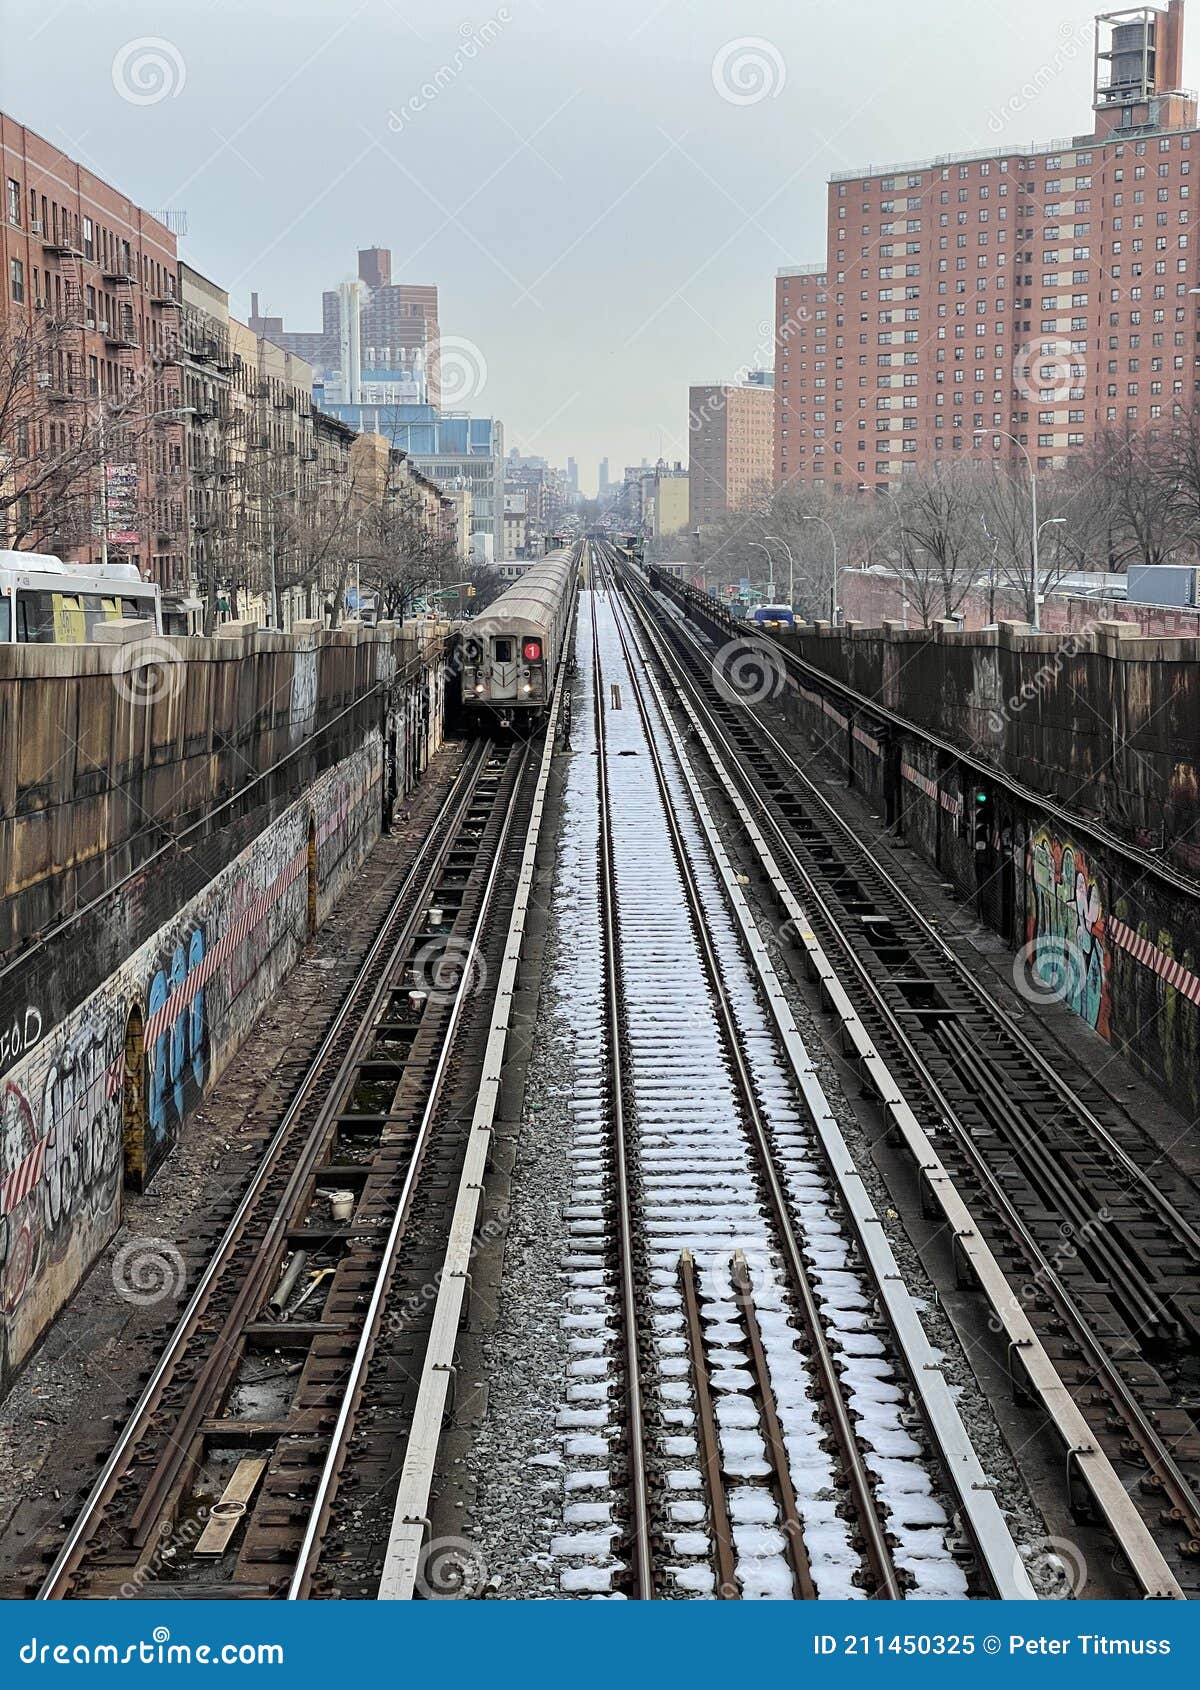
column 202, row 980
column 175, row 1040
column 1065, row 927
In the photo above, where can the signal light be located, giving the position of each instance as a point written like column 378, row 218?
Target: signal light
column 532, row 651
column 983, row 819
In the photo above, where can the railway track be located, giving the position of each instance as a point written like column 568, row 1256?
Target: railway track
column 232, row 1458
column 1077, row 1229
column 733, row 1180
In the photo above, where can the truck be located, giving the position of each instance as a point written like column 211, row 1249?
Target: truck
column 1175, row 584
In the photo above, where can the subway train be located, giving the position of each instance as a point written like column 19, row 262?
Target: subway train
column 509, row 655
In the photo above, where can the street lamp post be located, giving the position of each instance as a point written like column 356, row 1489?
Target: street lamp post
column 1037, row 531
column 759, row 547
column 833, row 586
column 791, row 568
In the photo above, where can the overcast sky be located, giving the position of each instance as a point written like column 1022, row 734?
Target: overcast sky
column 602, row 192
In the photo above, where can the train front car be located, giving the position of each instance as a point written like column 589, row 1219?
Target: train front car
column 511, row 651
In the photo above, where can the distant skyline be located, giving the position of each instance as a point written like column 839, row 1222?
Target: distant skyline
column 599, row 193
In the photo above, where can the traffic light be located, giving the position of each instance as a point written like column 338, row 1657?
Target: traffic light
column 982, row 813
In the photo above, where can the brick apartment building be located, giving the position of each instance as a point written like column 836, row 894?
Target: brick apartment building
column 1040, row 292
column 731, row 429
column 97, row 277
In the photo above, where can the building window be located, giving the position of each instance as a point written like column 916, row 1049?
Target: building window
column 14, row 202
column 17, row 279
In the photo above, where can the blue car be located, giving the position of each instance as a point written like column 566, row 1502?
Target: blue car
column 773, row 616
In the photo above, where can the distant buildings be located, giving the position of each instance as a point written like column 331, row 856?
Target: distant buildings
column 731, row 454
column 546, row 492
column 657, row 499
column 186, row 442
column 378, row 341
column 516, row 527
column 455, row 451
column 1042, row 292
column 603, row 479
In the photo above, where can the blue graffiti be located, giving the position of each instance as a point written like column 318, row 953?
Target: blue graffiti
column 179, row 1046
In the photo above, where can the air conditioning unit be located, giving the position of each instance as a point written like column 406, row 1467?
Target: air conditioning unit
column 103, row 326
column 91, row 322
column 43, row 378
column 35, row 228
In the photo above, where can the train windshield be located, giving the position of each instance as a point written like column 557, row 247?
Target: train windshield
column 502, row 650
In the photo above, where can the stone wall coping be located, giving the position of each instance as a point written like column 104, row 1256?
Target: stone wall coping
column 1118, row 640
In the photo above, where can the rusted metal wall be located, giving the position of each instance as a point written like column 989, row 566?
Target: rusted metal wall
column 118, row 1018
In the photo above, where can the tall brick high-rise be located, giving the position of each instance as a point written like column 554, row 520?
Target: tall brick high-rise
column 1041, row 291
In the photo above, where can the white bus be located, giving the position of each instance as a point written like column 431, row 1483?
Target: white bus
column 44, row 601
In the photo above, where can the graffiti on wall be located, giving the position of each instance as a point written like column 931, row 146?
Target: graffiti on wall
column 19, row 1034
column 202, row 980
column 304, row 695
column 1065, row 927
column 175, row 1039
column 61, row 1162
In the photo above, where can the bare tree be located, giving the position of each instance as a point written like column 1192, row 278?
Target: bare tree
column 940, row 544
column 56, row 435
column 1149, row 514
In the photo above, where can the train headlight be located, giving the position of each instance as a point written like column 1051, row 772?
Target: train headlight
column 479, row 686
column 527, row 687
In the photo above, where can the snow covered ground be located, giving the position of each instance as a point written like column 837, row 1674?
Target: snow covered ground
column 695, row 1178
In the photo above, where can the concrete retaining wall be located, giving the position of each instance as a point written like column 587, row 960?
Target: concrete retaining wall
column 117, row 1022
column 1108, row 732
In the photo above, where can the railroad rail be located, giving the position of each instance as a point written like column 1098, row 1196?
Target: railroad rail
column 1029, row 1154
column 404, row 1556
column 246, row 1417
column 882, row 1576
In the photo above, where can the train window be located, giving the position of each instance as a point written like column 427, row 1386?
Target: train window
column 502, row 650
column 533, row 651
column 472, row 652
column 5, row 619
